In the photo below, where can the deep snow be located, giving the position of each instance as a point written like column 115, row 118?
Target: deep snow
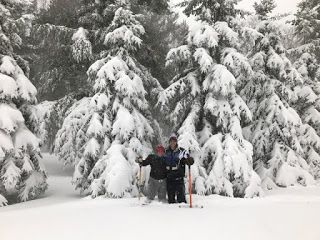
column 284, row 214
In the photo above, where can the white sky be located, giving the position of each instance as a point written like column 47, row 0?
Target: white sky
column 283, row 6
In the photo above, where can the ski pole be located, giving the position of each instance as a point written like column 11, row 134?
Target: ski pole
column 190, row 187
column 140, row 183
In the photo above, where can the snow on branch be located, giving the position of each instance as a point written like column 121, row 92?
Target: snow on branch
column 204, row 59
column 205, row 37
column 187, row 131
column 227, row 33
column 179, row 55
column 220, row 80
column 181, row 87
column 81, row 47
column 3, row 201
column 236, row 62
column 126, row 31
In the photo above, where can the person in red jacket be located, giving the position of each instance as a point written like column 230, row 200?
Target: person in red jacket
column 157, row 185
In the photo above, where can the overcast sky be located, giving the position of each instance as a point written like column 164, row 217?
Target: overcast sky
column 283, row 6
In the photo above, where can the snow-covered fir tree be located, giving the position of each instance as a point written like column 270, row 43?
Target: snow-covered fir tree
column 204, row 107
column 40, row 116
column 308, row 27
column 264, row 7
column 277, row 127
column 61, row 47
column 81, row 47
column 56, row 68
column 307, row 104
column 163, row 31
column 115, row 126
column 96, row 15
column 71, row 137
column 52, row 120
column 68, row 36
column 21, row 175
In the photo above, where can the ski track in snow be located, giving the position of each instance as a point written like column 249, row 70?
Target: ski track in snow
column 283, row 214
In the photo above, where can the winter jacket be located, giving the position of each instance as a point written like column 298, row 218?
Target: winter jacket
column 176, row 163
column 158, row 166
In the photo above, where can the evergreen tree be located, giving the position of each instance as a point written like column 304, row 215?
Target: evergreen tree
column 50, row 115
column 264, row 7
column 69, row 35
column 54, row 40
column 276, row 129
column 211, row 10
column 113, row 127
column 58, row 12
column 58, row 32
column 162, row 33
column 204, row 107
column 22, row 176
column 308, row 27
column 50, row 48
column 308, row 106
column 96, row 14
column 71, row 137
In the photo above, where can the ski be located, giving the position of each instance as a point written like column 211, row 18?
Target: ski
column 139, row 204
column 193, row 206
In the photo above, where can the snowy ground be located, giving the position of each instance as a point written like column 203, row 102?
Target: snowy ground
column 285, row 214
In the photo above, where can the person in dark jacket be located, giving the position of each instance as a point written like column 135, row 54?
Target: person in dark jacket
column 157, row 181
column 176, row 159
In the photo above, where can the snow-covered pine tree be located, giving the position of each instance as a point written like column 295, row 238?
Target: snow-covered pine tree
column 40, row 115
column 81, row 47
column 204, row 107
column 118, row 127
column 163, row 31
column 21, row 174
column 264, row 7
column 94, row 14
column 308, row 27
column 65, row 49
column 308, row 106
column 71, row 138
column 278, row 153
column 63, row 42
column 55, row 69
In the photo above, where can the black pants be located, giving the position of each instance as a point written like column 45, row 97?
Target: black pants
column 176, row 191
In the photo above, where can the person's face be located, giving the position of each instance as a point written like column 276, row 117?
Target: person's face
column 173, row 143
column 160, row 153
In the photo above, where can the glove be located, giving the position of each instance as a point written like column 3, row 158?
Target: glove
column 190, row 161
column 139, row 160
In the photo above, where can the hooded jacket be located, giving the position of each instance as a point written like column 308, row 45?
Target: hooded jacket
column 158, row 166
column 176, row 163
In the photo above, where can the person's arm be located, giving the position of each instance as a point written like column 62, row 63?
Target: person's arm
column 147, row 161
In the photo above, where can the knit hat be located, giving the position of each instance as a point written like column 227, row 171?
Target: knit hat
column 173, row 137
column 160, row 149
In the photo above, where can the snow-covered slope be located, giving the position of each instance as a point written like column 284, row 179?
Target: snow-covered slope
column 60, row 189
column 284, row 214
